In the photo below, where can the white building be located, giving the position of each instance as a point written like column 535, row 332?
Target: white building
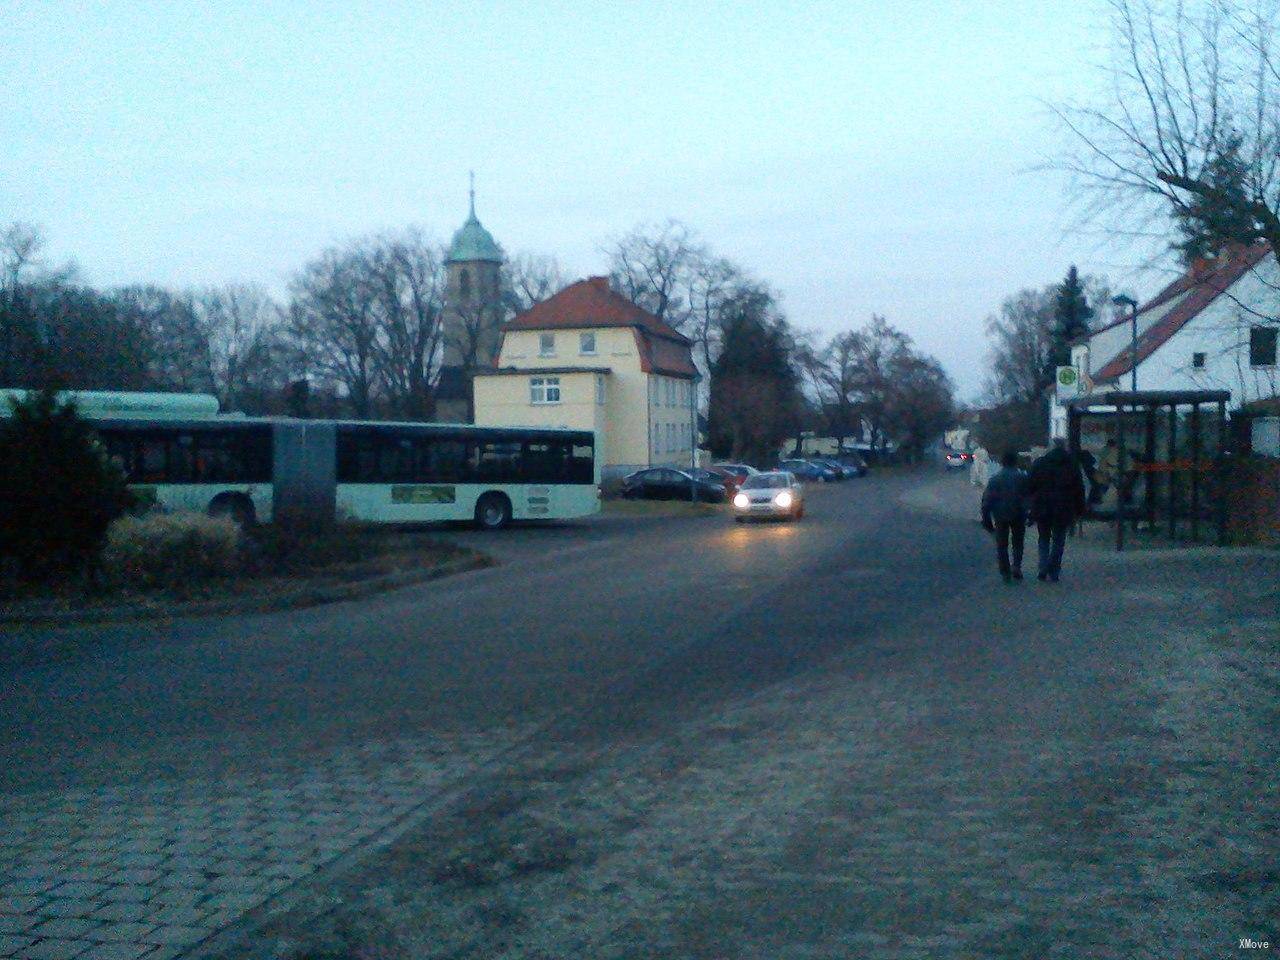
column 1214, row 328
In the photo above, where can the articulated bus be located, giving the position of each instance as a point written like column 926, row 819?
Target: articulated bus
column 373, row 472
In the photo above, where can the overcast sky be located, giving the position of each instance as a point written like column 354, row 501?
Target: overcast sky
column 860, row 156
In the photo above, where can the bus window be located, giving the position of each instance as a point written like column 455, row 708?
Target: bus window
column 149, row 460
column 545, row 462
column 233, row 456
column 442, row 460
column 582, row 463
column 396, row 460
column 182, row 459
column 496, row 460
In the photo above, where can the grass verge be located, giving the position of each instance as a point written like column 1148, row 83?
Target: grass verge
column 276, row 567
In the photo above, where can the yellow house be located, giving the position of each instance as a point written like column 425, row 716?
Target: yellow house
column 588, row 358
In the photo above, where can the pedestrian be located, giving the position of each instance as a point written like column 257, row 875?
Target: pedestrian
column 1056, row 491
column 1004, row 513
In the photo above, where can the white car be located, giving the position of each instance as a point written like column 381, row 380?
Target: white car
column 775, row 494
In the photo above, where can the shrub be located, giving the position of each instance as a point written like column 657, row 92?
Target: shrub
column 171, row 550
column 58, row 490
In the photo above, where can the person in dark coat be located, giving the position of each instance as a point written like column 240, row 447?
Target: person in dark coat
column 1056, row 491
column 1004, row 513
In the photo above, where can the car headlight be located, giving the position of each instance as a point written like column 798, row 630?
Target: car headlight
column 742, row 500
column 783, row 499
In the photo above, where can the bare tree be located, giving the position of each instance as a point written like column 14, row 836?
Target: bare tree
column 652, row 267
column 1022, row 349
column 20, row 246
column 181, row 356
column 842, row 379
column 528, row 279
column 712, row 284
column 921, row 400
column 873, row 351
column 406, row 281
column 367, row 316
column 246, row 347
column 334, row 326
column 1192, row 120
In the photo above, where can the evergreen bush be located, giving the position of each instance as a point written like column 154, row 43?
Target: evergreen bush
column 58, row 490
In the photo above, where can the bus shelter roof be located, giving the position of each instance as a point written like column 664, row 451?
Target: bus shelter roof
column 1147, row 399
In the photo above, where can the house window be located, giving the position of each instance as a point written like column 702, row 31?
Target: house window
column 671, row 438
column 1197, row 361
column 547, row 344
column 1262, row 346
column 464, row 284
column 587, row 344
column 671, row 393
column 599, row 389
column 544, row 389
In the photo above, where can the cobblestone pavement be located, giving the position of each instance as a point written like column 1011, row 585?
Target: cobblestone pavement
column 149, row 871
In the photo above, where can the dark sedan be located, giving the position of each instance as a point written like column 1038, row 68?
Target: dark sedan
column 856, row 462
column 806, row 470
column 664, row 483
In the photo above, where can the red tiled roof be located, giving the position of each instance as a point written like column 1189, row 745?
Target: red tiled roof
column 1201, row 287
column 593, row 303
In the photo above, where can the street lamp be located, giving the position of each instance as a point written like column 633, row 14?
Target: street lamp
column 693, row 436
column 1123, row 301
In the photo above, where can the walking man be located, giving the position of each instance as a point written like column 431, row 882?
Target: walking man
column 1056, row 490
column 1004, row 513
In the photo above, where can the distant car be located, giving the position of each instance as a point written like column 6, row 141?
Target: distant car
column 664, row 483
column 717, row 475
column 739, row 471
column 842, row 472
column 807, row 470
column 958, row 460
column 853, row 460
column 774, row 494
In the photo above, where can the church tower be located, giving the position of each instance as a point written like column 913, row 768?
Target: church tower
column 472, row 314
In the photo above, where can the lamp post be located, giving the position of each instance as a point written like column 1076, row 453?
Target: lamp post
column 693, row 436
column 1123, row 301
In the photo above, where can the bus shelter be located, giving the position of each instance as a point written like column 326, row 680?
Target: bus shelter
column 1169, row 427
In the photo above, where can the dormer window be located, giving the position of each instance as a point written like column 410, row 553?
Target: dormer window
column 547, row 345
column 587, row 344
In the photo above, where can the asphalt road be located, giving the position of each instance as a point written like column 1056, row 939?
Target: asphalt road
column 572, row 609
column 899, row 755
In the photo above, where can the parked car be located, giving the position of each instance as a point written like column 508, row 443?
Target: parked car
column 739, row 471
column 958, row 460
column 855, row 461
column 774, row 494
column 842, row 472
column 664, row 483
column 807, row 470
column 716, row 475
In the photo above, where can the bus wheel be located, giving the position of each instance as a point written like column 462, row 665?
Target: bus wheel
column 235, row 506
column 493, row 511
